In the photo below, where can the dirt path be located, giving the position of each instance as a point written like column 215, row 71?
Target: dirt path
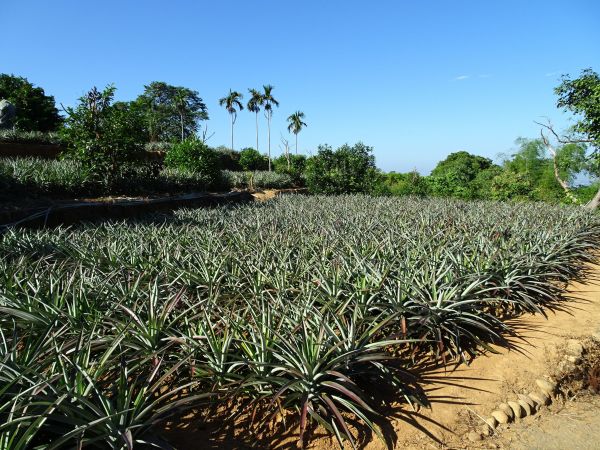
column 574, row 426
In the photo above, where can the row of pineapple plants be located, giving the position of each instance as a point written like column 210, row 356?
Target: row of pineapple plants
column 307, row 305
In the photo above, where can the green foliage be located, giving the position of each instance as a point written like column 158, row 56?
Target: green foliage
column 411, row 183
column 36, row 111
column 581, row 96
column 292, row 165
column 455, row 176
column 251, row 159
column 229, row 159
column 30, row 137
column 343, row 171
column 103, row 137
column 509, row 185
column 171, row 113
column 530, row 172
column 195, row 156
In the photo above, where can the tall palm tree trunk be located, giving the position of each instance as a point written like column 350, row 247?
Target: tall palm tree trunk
column 296, row 144
column 232, row 132
column 181, row 117
column 269, row 131
column 256, row 130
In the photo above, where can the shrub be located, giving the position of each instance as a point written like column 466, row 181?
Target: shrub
column 292, row 165
column 194, row 156
column 411, row 183
column 229, row 159
column 343, row 171
column 103, row 137
column 251, row 159
column 510, row 185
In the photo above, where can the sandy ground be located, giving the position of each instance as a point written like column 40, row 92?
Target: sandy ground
column 572, row 426
column 462, row 398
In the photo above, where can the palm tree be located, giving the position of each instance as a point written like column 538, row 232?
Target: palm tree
column 230, row 102
column 254, row 104
column 296, row 125
column 269, row 101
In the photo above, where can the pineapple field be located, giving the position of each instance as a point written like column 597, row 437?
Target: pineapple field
column 320, row 309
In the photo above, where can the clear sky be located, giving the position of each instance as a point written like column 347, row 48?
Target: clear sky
column 416, row 79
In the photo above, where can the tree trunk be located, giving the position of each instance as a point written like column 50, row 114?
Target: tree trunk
column 232, row 132
column 256, row 130
column 287, row 154
column 593, row 203
column 181, row 116
column 562, row 182
column 269, row 131
column 296, row 144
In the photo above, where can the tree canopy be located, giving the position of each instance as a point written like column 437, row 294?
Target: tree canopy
column 455, row 175
column 581, row 96
column 36, row 111
column 349, row 169
column 172, row 113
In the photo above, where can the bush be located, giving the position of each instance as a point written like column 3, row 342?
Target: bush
column 292, row 165
column 195, row 156
column 103, row 137
column 229, row 159
column 411, row 183
column 510, row 185
column 343, row 171
column 251, row 159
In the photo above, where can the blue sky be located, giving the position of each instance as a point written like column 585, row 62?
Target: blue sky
column 416, row 80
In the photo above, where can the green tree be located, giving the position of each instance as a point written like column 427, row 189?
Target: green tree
column 509, row 185
column 172, row 113
column 411, row 183
column 454, row 176
column 195, row 156
column 230, row 159
column 293, row 165
column 269, row 101
column 36, row 111
column 296, row 125
column 543, row 173
column 251, row 159
column 254, row 104
column 231, row 102
column 103, row 136
column 581, row 96
column 343, row 171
